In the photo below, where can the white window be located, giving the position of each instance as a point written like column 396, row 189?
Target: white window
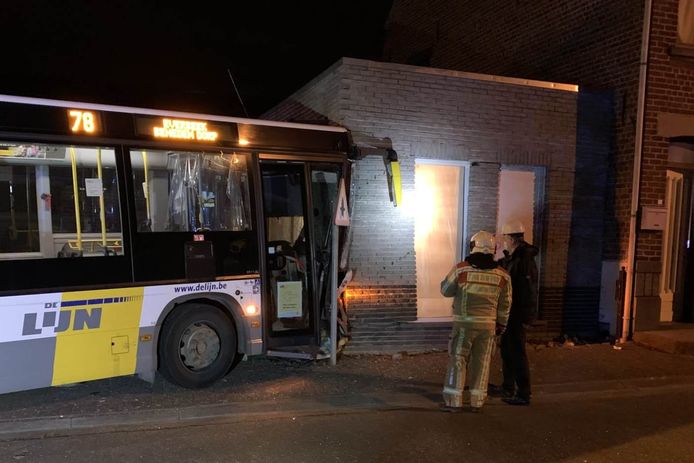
column 439, row 208
column 58, row 201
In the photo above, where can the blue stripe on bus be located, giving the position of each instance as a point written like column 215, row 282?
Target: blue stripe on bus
column 107, row 300
column 72, row 303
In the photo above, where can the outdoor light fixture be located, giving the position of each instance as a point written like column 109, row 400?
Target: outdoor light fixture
column 243, row 142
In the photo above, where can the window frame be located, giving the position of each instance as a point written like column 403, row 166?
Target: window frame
column 26, row 274
column 681, row 43
column 681, row 49
column 247, row 154
column 66, row 142
column 147, row 272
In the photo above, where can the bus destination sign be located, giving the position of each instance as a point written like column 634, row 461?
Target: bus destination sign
column 168, row 128
column 184, row 130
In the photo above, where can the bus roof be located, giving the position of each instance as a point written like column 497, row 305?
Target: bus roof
column 158, row 112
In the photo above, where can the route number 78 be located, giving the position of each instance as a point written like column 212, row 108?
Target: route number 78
column 82, row 121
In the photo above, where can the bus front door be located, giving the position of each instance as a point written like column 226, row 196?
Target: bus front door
column 298, row 203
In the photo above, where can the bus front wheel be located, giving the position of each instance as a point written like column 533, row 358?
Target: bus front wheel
column 197, row 345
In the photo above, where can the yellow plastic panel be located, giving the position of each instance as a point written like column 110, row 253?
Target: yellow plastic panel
column 84, row 337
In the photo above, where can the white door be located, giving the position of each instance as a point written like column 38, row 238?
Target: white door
column 674, row 198
column 439, row 196
column 521, row 197
column 517, row 200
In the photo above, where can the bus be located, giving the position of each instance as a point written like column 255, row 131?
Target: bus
column 137, row 240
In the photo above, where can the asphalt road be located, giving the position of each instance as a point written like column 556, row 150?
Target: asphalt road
column 263, row 379
column 658, row 427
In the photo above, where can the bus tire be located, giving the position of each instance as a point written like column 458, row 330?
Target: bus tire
column 197, row 345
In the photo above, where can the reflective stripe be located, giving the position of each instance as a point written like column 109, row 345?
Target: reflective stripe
column 450, row 390
column 483, row 289
column 473, row 318
column 479, row 277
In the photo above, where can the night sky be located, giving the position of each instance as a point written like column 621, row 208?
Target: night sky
column 141, row 53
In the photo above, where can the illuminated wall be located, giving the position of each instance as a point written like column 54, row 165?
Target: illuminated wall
column 443, row 115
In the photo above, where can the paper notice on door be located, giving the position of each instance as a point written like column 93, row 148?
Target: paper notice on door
column 288, row 299
column 94, row 187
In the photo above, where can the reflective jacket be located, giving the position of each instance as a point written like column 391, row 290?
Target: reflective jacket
column 482, row 296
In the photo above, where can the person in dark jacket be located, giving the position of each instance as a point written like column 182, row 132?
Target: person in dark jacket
column 519, row 261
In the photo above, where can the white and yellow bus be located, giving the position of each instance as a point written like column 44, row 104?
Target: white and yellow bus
column 135, row 240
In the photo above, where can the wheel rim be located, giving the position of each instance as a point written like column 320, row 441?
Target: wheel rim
column 199, row 346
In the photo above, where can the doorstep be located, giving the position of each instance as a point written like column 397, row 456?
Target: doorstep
column 674, row 338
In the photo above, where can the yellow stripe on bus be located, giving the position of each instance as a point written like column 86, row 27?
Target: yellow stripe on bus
column 98, row 338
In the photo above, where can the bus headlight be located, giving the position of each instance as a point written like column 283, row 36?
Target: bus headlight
column 250, row 310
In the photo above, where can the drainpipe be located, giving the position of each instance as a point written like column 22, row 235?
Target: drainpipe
column 628, row 328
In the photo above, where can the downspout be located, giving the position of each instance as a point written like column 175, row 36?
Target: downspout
column 628, row 328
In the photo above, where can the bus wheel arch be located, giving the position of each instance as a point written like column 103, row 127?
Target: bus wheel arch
column 223, row 302
column 198, row 341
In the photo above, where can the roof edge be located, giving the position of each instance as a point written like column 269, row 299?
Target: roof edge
column 464, row 75
column 321, row 75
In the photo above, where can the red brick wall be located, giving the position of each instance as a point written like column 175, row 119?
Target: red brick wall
column 594, row 43
column 670, row 88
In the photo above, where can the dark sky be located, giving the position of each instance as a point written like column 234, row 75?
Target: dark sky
column 142, row 53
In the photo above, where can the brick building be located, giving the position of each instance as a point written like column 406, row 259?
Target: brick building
column 475, row 150
column 642, row 54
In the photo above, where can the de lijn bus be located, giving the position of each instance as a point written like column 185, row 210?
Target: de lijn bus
column 135, row 240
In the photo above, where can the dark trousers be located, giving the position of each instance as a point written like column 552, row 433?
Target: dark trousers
column 515, row 361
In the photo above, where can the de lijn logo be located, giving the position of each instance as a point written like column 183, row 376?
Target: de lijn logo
column 63, row 320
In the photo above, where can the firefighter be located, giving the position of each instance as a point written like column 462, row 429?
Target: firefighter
column 519, row 261
column 482, row 291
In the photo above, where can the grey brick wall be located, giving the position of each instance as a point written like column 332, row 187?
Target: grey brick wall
column 439, row 114
column 594, row 43
column 382, row 248
column 318, row 101
column 483, row 197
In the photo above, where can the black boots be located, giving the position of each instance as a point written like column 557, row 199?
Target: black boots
column 516, row 400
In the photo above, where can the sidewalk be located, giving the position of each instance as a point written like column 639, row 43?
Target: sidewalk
column 264, row 388
column 675, row 338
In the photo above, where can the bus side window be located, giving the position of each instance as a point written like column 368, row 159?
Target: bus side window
column 58, row 201
column 191, row 191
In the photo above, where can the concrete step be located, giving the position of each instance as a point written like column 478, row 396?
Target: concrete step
column 391, row 348
column 674, row 339
column 390, row 336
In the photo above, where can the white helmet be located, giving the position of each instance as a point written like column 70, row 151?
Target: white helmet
column 483, row 242
column 513, row 227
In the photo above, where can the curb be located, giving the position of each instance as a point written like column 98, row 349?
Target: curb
column 593, row 386
column 55, row 426
column 423, row 399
